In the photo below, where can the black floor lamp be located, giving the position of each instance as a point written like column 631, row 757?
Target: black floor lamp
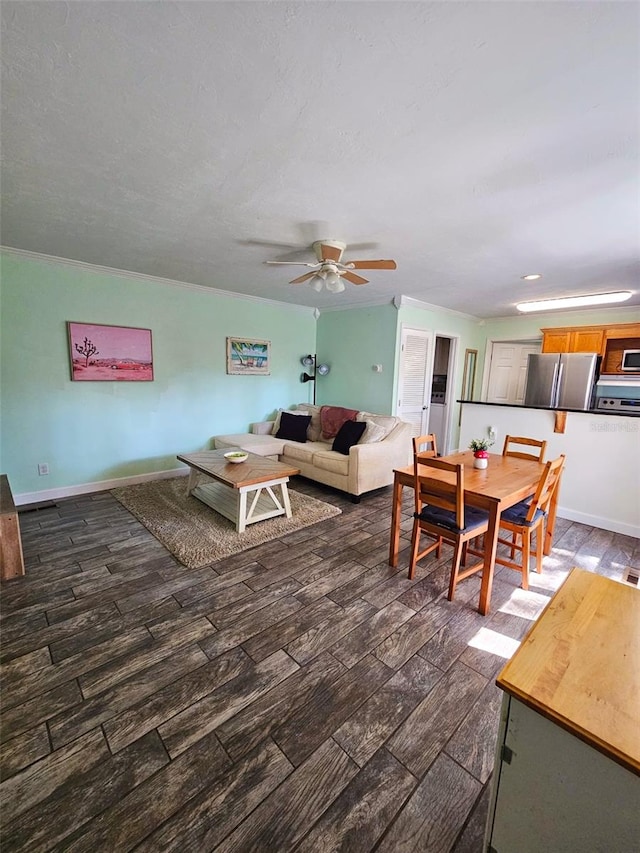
column 315, row 369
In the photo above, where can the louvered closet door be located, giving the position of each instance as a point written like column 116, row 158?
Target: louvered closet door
column 415, row 379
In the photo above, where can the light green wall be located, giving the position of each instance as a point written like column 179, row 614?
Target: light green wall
column 529, row 325
column 467, row 329
column 94, row 431
column 470, row 335
column 352, row 341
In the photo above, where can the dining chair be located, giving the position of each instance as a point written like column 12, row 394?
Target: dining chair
column 440, row 512
column 519, row 440
column 512, row 447
column 526, row 518
column 425, row 445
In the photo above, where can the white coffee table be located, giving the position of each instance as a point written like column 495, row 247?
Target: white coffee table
column 243, row 493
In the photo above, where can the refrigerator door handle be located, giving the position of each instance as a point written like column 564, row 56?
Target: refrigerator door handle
column 557, row 383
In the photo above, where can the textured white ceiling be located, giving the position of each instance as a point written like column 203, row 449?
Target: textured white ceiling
column 472, row 142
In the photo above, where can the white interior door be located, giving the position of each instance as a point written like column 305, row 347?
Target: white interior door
column 508, row 372
column 414, row 381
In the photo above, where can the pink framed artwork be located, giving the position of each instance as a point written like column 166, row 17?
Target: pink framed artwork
column 101, row 353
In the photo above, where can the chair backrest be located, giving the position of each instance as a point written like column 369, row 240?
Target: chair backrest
column 425, row 445
column 446, row 494
column 536, row 456
column 547, row 485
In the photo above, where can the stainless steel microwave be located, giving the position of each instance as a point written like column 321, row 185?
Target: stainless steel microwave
column 631, row 360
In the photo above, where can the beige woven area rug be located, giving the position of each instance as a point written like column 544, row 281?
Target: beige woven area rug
column 197, row 535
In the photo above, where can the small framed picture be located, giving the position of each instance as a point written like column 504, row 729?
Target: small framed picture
column 248, row 356
column 101, row 353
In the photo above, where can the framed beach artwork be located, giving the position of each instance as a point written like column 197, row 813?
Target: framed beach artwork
column 101, row 353
column 248, row 356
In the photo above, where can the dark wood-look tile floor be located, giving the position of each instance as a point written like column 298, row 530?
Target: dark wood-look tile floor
column 300, row 696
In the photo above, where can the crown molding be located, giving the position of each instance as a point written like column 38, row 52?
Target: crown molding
column 402, row 301
column 97, row 268
column 373, row 303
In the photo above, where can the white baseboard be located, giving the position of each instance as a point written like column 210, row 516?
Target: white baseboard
column 100, row 486
column 611, row 524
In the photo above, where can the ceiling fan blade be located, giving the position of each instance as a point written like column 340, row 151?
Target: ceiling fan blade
column 270, row 244
column 371, row 265
column 292, row 263
column 353, row 278
column 330, row 253
column 302, row 278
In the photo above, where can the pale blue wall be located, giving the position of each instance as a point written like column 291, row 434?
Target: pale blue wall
column 94, row 431
column 352, row 341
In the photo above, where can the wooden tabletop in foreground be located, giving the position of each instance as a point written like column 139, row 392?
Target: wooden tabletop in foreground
column 257, row 469
column 579, row 665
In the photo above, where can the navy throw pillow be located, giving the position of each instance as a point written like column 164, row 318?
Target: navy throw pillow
column 293, row 427
column 349, row 434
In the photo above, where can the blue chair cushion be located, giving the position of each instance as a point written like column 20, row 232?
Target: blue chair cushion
column 517, row 514
column 444, row 518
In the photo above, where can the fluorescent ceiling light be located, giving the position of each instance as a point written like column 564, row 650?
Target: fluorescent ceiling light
column 575, row 301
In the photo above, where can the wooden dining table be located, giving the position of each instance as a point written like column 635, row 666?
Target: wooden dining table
column 504, row 482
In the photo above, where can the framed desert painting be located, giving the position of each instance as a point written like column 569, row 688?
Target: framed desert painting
column 101, row 353
column 248, row 356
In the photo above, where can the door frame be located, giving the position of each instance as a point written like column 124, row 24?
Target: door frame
column 488, row 355
column 454, row 369
column 452, row 380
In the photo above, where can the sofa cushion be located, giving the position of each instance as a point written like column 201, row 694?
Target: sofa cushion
column 349, row 434
column 294, row 452
column 332, row 418
column 293, row 427
column 276, row 423
column 314, row 430
column 387, row 422
column 329, row 460
column 262, row 445
column 372, row 433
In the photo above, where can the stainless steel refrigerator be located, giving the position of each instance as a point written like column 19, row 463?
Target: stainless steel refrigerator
column 565, row 380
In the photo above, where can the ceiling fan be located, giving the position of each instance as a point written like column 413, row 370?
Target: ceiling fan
column 329, row 271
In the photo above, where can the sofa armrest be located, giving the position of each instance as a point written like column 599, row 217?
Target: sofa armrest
column 371, row 465
column 262, row 427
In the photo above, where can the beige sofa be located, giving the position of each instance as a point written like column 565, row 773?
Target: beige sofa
column 385, row 445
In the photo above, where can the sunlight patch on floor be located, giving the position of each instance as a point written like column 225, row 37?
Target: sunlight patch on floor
column 491, row 641
column 525, row 603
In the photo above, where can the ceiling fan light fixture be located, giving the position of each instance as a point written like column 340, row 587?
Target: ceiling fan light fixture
column 317, row 283
column 335, row 286
column 575, row 301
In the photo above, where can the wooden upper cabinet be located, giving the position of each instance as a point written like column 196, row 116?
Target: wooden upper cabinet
column 583, row 339
column 555, row 340
column 612, row 361
column 587, row 338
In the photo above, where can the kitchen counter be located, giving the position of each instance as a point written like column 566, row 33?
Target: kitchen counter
column 600, row 481
column 567, row 769
column 579, row 665
column 635, row 414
